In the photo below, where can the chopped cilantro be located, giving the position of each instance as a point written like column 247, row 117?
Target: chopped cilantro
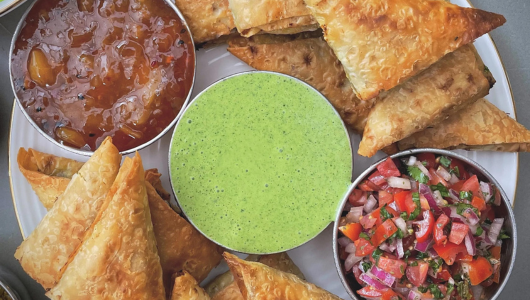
column 376, row 255
column 401, row 269
column 413, row 263
column 503, row 235
column 450, row 289
column 466, row 195
column 461, row 207
column 435, row 291
column 417, row 210
column 407, row 254
column 441, row 188
column 403, row 215
column 398, row 234
column 366, row 266
column 457, row 277
column 385, row 215
column 455, row 171
column 462, row 288
column 445, row 161
column 364, row 236
column 421, row 255
column 435, row 264
column 423, row 289
column 479, row 231
column 417, row 174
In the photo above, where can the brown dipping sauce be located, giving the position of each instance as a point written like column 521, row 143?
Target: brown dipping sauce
column 87, row 69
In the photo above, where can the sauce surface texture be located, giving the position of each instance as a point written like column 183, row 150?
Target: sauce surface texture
column 88, row 69
column 259, row 163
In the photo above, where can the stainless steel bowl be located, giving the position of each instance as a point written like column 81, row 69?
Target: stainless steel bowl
column 12, row 285
column 505, row 210
column 89, row 153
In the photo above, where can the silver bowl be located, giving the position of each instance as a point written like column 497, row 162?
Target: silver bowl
column 505, row 209
column 85, row 152
column 12, row 285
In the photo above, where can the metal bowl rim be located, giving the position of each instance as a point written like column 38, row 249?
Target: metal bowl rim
column 11, row 292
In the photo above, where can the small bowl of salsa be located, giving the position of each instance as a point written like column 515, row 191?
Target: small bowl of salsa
column 425, row 224
column 87, row 69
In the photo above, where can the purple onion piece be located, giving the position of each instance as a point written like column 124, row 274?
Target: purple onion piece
column 424, row 246
column 350, row 248
column 344, row 241
column 399, row 248
column 471, row 216
column 354, row 215
column 371, row 203
column 423, row 169
column 413, row 295
column 425, row 190
column 372, row 281
column 495, row 230
column 383, row 276
column 442, row 172
column 486, row 190
column 454, row 196
column 470, row 244
column 350, row 261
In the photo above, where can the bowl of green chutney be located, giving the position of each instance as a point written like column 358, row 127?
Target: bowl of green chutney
column 259, row 162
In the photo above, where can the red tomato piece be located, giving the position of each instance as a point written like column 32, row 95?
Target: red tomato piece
column 351, row 230
column 389, row 294
column 464, row 175
column 435, row 178
column 357, row 198
column 464, row 257
column 377, row 179
column 487, row 214
column 496, row 253
column 444, row 274
column 425, row 226
column 370, row 292
column 479, row 270
column 368, row 186
column 417, row 274
column 458, row 185
column 385, row 198
column 458, row 233
column 449, row 251
column 395, row 267
column 404, row 201
column 438, row 231
column 370, row 220
column 363, row 247
column 383, row 232
column 478, row 203
column 472, row 185
column 393, row 191
column 388, row 168
column 427, row 158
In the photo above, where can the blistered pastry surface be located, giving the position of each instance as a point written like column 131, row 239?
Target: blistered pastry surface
column 186, row 288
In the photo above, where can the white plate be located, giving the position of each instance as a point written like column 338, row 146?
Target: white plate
column 216, row 63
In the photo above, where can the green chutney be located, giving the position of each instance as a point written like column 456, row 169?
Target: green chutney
column 259, row 163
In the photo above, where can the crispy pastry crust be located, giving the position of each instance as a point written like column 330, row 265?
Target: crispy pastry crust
column 257, row 281
column 49, row 247
column 457, row 80
column 119, row 259
column 382, row 43
column 207, row 19
column 310, row 60
column 275, row 16
column 480, row 126
column 187, row 288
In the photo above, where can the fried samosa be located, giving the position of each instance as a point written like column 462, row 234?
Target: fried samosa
column 44, row 254
column 382, row 43
column 310, row 60
column 207, row 19
column 187, row 288
column 46, row 173
column 457, row 80
column 119, row 259
column 480, row 126
column 257, row 281
column 271, row 16
column 153, row 177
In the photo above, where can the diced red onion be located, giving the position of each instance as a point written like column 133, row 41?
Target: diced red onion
column 383, row 276
column 453, row 179
column 413, row 295
column 471, row 216
column 486, row 190
column 414, row 185
column 350, row 261
column 443, row 173
column 354, row 215
column 401, row 224
column 470, row 244
column 347, row 206
column 398, row 182
column 394, row 206
column 385, row 247
column 425, row 190
column 498, row 243
column 399, row 248
column 495, row 229
column 498, row 198
column 350, row 248
column 412, row 160
column 477, row 290
column 423, row 169
column 424, row 246
column 432, row 253
column 344, row 241
column 454, row 196
column 370, row 204
column 372, row 281
column 438, row 198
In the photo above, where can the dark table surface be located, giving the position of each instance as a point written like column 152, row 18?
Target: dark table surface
column 512, row 39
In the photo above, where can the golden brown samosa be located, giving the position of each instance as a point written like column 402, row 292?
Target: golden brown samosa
column 119, row 259
column 207, row 19
column 46, row 173
column 271, row 16
column 457, row 80
column 480, row 126
column 310, row 60
column 257, row 281
column 50, row 246
column 382, row 43
column 185, row 287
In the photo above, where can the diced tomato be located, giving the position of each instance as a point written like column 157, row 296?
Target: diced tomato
column 370, row 292
column 425, row 226
column 464, row 257
column 428, row 158
column 461, row 169
column 385, row 198
column 449, row 251
column 478, row 203
column 487, row 214
column 393, row 191
column 368, row 186
column 444, row 274
column 472, row 185
column 351, row 230
column 438, row 231
column 424, row 203
column 383, row 232
column 417, row 274
column 371, row 219
column 404, row 201
column 458, row 233
column 479, row 270
column 389, row 294
column 377, row 179
column 435, row 178
column 395, row 267
column 496, row 253
column 388, row 168
column 356, row 198
column 363, row 247
column 458, row 185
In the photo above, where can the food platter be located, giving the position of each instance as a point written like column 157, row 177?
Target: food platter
column 213, row 64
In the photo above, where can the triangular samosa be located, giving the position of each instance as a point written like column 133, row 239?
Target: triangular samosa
column 480, row 126
column 457, row 80
column 185, row 287
column 382, row 43
column 50, row 246
column 119, row 259
column 257, row 281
